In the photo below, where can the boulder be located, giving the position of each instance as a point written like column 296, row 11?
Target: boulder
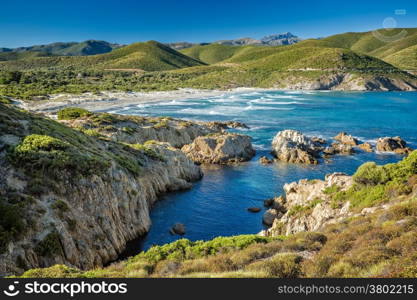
column 270, row 215
column 254, row 209
column 366, row 147
column 222, row 148
column 346, row 139
column 218, row 125
column 178, row 228
column 392, row 144
column 344, row 149
column 294, row 147
column 338, row 148
column 265, row 160
column 269, row 202
column 318, row 140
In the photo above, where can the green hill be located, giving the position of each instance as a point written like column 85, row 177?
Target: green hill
column 5, row 56
column 90, row 47
column 149, row 56
column 388, row 45
column 212, row 53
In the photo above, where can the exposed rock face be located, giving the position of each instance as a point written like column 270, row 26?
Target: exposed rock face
column 346, row 139
column 269, row 216
column 342, row 81
column 218, row 126
column 294, row 147
column 392, row 144
column 83, row 221
column 367, row 147
column 338, row 148
column 318, row 140
column 134, row 129
column 307, row 206
column 220, row 149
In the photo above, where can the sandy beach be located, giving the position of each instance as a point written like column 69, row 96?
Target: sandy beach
column 108, row 100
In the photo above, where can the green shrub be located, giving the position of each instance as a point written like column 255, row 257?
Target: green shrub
column 49, row 246
column 128, row 130
column 72, row 113
column 92, row 132
column 11, row 223
column 46, row 154
column 5, row 100
column 162, row 124
column 185, row 249
column 60, row 205
column 371, row 174
column 57, row 271
column 282, row 265
column 147, row 150
column 331, row 189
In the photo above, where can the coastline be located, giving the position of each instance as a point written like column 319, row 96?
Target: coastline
column 106, row 100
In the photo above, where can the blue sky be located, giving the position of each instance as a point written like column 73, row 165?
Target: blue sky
column 24, row 23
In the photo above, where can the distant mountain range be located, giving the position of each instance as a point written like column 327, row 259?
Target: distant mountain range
column 90, row 47
column 93, row 47
column 286, row 38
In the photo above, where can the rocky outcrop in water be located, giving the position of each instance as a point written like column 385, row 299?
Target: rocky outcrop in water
column 346, row 139
column 294, row 147
column 265, row 160
column 367, row 147
column 222, row 148
column 392, row 144
column 338, row 148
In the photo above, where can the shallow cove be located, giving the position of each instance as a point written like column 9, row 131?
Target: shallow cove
column 217, row 205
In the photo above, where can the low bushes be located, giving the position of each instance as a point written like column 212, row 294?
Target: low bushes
column 11, row 223
column 71, row 113
column 42, row 153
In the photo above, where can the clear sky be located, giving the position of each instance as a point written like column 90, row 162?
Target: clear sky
column 24, row 22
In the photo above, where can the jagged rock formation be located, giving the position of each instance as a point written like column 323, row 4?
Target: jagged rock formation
column 338, row 148
column 135, row 129
column 218, row 125
column 265, row 160
column 306, row 205
column 294, row 147
column 221, row 148
column 346, row 82
column 367, row 147
column 346, row 139
column 80, row 197
column 392, row 144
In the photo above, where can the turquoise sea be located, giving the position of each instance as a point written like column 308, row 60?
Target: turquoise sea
column 217, row 205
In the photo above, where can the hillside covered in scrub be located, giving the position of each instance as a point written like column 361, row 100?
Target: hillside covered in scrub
column 349, row 61
column 76, row 190
column 378, row 240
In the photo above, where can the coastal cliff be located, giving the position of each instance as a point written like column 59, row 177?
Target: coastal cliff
column 372, row 236
column 76, row 197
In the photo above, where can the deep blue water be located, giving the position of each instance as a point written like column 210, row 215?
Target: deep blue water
column 217, row 205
